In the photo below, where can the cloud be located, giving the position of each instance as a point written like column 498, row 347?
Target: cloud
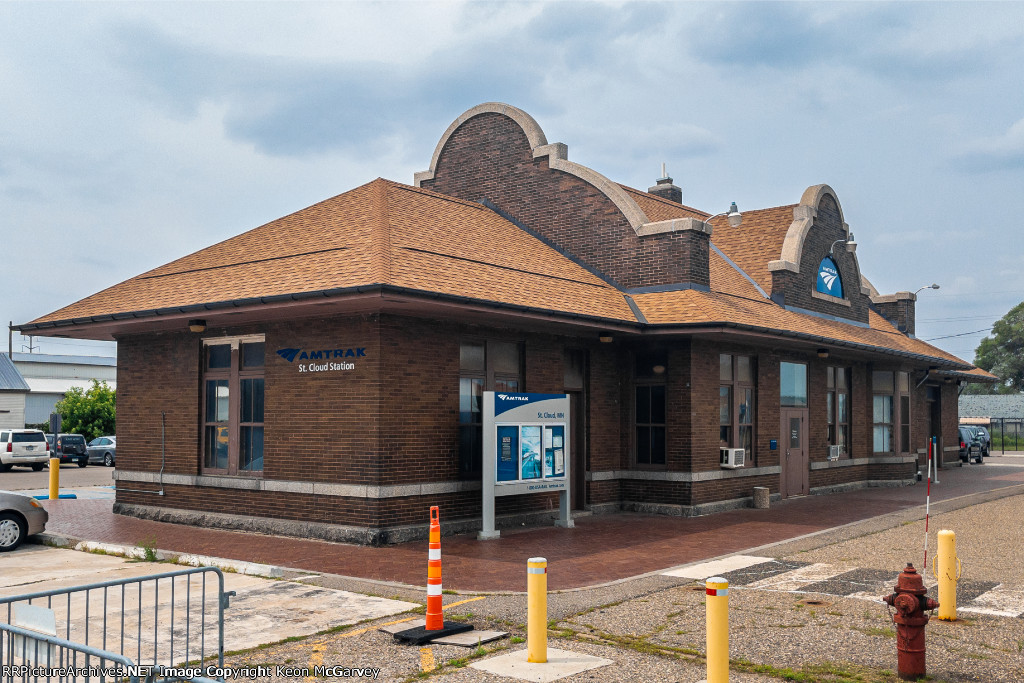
column 1003, row 152
column 301, row 107
column 901, row 43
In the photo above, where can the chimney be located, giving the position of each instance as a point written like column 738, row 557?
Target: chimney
column 665, row 189
column 899, row 309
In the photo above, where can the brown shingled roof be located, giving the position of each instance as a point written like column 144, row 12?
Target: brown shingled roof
column 386, row 234
column 660, row 209
column 756, row 242
column 380, row 233
column 696, row 307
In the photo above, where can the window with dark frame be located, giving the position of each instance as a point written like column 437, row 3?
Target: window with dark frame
column 736, row 407
column 484, row 365
column 883, row 411
column 837, row 401
column 891, row 411
column 903, row 391
column 233, row 399
column 651, row 369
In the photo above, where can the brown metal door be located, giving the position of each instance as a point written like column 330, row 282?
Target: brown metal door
column 796, row 470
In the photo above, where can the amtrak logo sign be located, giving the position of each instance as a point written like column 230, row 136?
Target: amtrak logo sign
column 829, row 281
column 330, row 359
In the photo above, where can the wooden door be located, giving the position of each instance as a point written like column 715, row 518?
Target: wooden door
column 796, row 459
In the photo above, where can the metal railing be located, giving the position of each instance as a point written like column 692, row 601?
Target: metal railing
column 156, row 627
column 1007, row 433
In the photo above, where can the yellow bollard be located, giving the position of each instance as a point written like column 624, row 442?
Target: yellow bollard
column 947, row 572
column 717, row 600
column 537, row 610
column 54, row 478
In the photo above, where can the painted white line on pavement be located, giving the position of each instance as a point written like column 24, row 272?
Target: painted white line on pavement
column 715, row 567
column 795, row 579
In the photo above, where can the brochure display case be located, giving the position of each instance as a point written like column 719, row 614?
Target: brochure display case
column 526, row 450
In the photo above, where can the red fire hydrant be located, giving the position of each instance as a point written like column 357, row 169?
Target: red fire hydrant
column 910, row 603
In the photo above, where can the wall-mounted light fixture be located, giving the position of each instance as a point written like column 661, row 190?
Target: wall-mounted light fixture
column 734, row 215
column 197, row 325
column 850, row 242
column 605, row 337
column 931, row 286
column 822, row 353
column 659, row 369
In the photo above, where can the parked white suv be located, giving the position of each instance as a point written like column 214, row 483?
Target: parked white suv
column 26, row 447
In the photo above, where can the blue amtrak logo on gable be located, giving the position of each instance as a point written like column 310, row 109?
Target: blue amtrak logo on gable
column 321, row 354
column 829, row 281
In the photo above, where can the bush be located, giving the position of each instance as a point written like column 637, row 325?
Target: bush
column 89, row 412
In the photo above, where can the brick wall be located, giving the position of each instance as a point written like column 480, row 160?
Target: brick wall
column 393, row 420
column 489, row 157
column 390, row 421
column 158, row 374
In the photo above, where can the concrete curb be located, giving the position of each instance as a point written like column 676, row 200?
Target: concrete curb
column 139, row 553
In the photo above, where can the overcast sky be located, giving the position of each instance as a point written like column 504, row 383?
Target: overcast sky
column 135, row 133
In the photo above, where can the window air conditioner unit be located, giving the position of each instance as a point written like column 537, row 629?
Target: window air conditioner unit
column 731, row 458
column 833, row 452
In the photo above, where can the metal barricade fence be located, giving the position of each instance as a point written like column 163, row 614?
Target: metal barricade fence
column 134, row 629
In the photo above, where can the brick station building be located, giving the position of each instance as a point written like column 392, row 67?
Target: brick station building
column 321, row 375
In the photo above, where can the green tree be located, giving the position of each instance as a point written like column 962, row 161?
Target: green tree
column 1002, row 354
column 88, row 412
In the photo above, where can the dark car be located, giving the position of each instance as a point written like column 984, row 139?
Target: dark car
column 970, row 446
column 71, row 448
column 103, row 450
column 984, row 438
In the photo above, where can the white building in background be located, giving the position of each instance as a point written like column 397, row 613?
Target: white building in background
column 13, row 392
column 49, row 377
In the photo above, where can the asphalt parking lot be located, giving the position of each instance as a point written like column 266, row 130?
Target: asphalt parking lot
column 71, row 476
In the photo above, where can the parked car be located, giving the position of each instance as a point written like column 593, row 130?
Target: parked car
column 103, row 450
column 69, row 448
column 20, row 517
column 985, row 438
column 970, row 446
column 26, row 447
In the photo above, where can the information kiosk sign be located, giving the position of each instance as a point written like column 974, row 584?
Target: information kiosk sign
column 526, row 450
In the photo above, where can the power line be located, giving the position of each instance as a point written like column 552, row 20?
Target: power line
column 958, row 318
column 1005, row 291
column 962, row 334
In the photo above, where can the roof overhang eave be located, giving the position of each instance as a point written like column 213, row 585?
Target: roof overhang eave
column 691, row 328
column 372, row 289
column 468, row 302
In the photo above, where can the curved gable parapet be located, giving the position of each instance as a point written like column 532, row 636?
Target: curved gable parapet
column 629, row 208
column 556, row 152
column 529, row 125
column 803, row 218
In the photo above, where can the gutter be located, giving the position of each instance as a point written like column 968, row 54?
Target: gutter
column 382, row 289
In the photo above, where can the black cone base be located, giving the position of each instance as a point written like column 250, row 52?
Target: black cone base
column 420, row 634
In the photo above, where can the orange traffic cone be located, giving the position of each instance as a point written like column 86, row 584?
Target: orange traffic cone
column 435, row 622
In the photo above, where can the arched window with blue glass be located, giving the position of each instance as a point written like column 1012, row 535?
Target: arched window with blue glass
column 829, row 281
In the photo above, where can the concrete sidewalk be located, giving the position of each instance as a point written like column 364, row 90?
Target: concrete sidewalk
column 601, row 549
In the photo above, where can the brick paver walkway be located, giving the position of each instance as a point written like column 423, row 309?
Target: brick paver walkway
column 600, row 549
